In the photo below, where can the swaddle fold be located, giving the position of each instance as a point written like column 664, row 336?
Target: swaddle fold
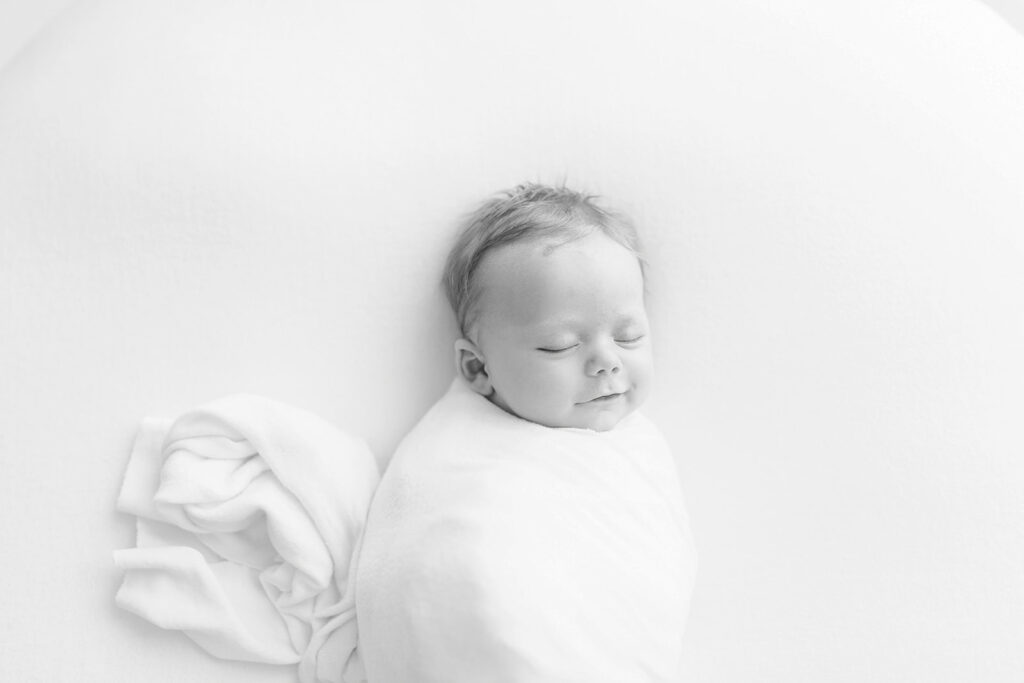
column 500, row 550
column 249, row 514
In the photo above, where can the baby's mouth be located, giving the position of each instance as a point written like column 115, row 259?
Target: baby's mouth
column 606, row 398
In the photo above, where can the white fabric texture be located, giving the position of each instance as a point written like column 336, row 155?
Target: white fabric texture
column 498, row 550
column 249, row 513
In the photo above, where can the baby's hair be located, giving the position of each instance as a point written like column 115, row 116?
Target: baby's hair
column 528, row 212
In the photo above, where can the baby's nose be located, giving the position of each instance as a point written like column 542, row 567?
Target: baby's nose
column 603, row 362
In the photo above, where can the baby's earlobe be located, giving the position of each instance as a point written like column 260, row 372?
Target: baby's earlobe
column 470, row 365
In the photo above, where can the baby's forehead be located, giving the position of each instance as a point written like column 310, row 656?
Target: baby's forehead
column 523, row 258
column 527, row 269
column 536, row 281
column 544, row 259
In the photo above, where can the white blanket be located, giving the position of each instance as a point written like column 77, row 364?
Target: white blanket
column 498, row 550
column 249, row 512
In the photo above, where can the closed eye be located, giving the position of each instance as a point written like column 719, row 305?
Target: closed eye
column 634, row 340
column 557, row 350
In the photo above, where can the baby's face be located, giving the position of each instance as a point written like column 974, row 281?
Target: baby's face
column 563, row 331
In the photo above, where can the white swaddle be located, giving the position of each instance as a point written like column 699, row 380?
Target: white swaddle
column 249, row 513
column 501, row 550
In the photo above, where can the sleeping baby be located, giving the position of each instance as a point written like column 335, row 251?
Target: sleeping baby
column 548, row 291
column 531, row 527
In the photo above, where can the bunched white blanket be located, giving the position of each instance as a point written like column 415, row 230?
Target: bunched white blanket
column 249, row 513
column 498, row 550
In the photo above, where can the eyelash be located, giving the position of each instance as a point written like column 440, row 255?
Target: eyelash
column 558, row 350
column 634, row 340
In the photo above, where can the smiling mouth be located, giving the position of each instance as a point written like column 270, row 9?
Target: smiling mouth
column 607, row 398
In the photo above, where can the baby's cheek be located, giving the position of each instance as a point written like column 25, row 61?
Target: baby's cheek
column 643, row 376
column 554, row 390
column 542, row 382
column 552, row 387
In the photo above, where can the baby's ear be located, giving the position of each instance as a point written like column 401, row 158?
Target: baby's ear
column 469, row 363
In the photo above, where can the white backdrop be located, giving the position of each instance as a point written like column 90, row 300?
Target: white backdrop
column 198, row 198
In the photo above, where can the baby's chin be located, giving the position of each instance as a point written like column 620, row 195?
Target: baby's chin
column 603, row 422
column 587, row 418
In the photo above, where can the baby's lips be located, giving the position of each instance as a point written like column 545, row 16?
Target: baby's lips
column 606, row 396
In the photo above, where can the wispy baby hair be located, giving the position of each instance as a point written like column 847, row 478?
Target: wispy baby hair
column 528, row 212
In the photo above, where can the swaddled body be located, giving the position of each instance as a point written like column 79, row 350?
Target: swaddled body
column 530, row 529
column 502, row 550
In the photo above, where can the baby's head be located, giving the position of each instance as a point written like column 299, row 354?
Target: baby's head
column 548, row 291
